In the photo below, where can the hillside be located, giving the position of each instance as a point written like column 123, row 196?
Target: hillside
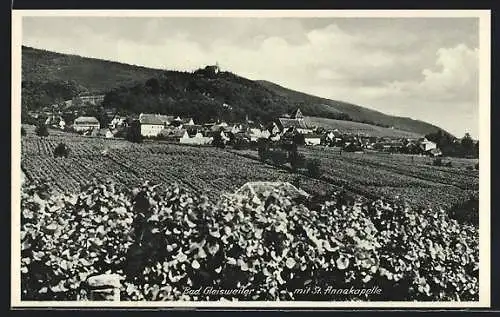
column 360, row 128
column 50, row 77
column 355, row 112
column 95, row 75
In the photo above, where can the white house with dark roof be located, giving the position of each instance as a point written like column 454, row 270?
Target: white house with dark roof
column 153, row 124
column 312, row 139
column 426, row 145
column 86, row 124
column 187, row 121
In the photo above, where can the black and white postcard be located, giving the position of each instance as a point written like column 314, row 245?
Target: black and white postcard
column 258, row 159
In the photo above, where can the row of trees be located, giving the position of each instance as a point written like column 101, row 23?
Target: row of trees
column 450, row 146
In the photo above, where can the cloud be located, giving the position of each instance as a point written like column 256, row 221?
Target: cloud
column 457, row 74
column 453, row 77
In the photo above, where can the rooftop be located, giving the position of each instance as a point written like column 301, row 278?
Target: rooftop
column 292, row 123
column 156, row 119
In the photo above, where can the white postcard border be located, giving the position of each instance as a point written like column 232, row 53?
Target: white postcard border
column 484, row 136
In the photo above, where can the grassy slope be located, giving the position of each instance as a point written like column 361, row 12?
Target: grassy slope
column 356, row 112
column 358, row 127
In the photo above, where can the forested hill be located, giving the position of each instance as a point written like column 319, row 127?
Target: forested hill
column 50, row 77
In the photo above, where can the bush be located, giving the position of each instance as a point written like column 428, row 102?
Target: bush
column 263, row 148
column 133, row 133
column 278, row 157
column 163, row 241
column 466, row 212
column 240, row 143
column 41, row 130
column 23, row 131
column 476, row 166
column 299, row 139
column 448, row 164
column 61, row 150
column 313, row 168
column 353, row 148
column 218, row 141
column 437, row 162
column 297, row 160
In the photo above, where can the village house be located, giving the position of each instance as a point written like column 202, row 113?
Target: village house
column 174, row 135
column 153, row 124
column 111, row 133
column 118, row 121
column 224, row 135
column 396, row 146
column 55, row 121
column 275, row 137
column 312, row 139
column 86, row 124
column 295, row 123
column 273, row 128
column 91, row 99
column 197, row 139
column 217, row 126
column 333, row 137
column 209, row 71
column 426, row 145
column 194, row 129
column 237, row 128
column 256, row 134
column 187, row 121
column 435, row 152
column 62, row 124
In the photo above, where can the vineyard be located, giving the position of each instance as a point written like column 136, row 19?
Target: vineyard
column 391, row 176
column 206, row 169
column 217, row 171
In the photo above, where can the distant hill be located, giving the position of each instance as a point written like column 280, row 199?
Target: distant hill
column 50, row 77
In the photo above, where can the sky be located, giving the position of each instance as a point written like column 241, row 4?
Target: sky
column 422, row 68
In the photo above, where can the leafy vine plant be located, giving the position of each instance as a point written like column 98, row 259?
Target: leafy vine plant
column 165, row 242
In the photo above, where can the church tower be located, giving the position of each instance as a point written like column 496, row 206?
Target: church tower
column 298, row 114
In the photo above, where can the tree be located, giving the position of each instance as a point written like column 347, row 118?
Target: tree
column 41, row 130
column 467, row 144
column 134, row 132
column 218, row 141
column 154, row 86
column 299, row 139
column 23, row 131
column 297, row 160
column 378, row 146
column 263, row 145
column 313, row 168
column 61, row 150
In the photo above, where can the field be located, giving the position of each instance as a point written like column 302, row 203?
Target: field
column 219, row 171
column 415, row 180
column 197, row 169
